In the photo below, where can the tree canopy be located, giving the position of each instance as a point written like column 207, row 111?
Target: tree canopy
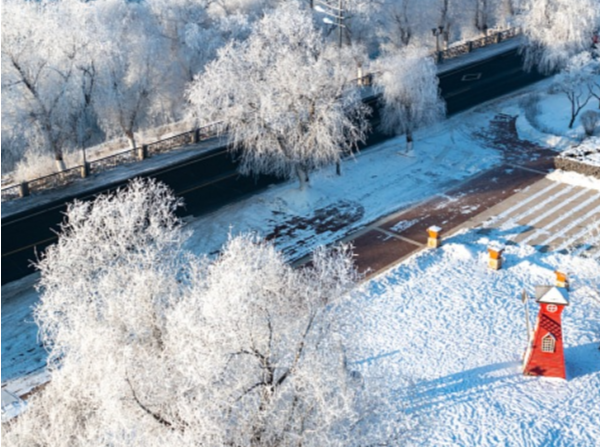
column 152, row 346
column 283, row 96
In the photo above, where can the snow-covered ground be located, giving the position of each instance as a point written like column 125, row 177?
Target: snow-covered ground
column 374, row 184
column 447, row 334
column 547, row 120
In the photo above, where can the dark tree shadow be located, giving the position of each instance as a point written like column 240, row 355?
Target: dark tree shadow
column 460, row 387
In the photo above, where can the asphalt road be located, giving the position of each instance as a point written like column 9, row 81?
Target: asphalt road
column 470, row 85
column 211, row 180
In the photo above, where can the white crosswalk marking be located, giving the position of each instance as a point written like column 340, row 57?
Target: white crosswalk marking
column 590, row 249
column 564, row 216
column 572, row 225
column 521, row 204
column 513, row 221
column 552, row 216
column 571, row 242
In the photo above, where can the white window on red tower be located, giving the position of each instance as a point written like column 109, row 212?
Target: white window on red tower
column 548, row 343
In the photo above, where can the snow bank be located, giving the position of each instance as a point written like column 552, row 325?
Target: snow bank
column 575, row 179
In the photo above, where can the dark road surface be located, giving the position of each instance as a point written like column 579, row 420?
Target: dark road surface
column 211, row 180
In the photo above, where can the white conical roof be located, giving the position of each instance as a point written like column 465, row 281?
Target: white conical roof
column 552, row 295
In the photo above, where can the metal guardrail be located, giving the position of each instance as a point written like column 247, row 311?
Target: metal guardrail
column 12, row 192
column 103, row 164
column 54, row 180
column 200, row 134
column 68, row 176
column 467, row 47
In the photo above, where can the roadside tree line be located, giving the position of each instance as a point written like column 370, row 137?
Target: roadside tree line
column 76, row 73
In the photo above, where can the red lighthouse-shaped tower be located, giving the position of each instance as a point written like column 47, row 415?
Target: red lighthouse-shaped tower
column 545, row 355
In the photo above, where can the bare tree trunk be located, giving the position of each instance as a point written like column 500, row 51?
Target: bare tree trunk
column 302, row 176
column 409, row 141
column 59, row 162
column 130, row 138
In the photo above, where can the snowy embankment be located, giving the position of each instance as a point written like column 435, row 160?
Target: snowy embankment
column 583, row 158
column 588, row 151
column 447, row 335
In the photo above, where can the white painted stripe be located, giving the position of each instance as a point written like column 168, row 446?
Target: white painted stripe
column 572, row 225
column 591, row 230
column 505, row 213
column 564, row 216
column 513, row 221
column 593, row 240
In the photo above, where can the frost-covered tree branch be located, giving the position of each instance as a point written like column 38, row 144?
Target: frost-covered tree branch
column 283, row 97
column 410, row 94
column 556, row 30
column 576, row 83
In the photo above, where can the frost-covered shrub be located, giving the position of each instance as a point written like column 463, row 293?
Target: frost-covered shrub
column 11, row 153
column 38, row 163
column 531, row 106
column 590, row 119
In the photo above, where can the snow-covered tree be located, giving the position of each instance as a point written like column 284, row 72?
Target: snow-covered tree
column 152, row 346
column 132, row 75
column 594, row 81
column 482, row 15
column 397, row 22
column 410, row 95
column 39, row 75
column 447, row 20
column 193, row 35
column 283, row 97
column 576, row 82
column 556, row 30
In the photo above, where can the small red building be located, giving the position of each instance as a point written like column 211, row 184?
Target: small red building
column 545, row 354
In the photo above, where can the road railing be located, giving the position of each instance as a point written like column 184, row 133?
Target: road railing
column 68, row 176
column 467, row 47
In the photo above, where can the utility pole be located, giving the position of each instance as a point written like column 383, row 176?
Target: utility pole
column 338, row 14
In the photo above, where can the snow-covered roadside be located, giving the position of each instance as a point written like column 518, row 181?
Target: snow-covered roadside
column 447, row 335
column 152, row 135
column 376, row 183
column 119, row 174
